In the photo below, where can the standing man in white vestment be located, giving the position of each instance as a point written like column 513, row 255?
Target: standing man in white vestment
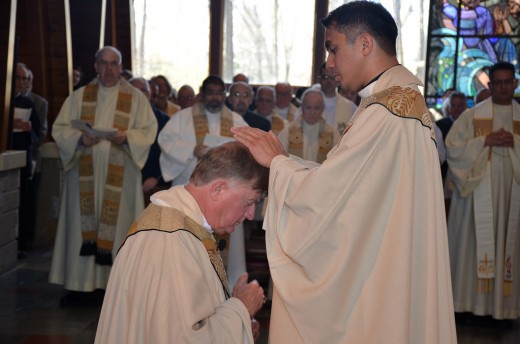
column 183, row 141
column 357, row 246
column 265, row 98
column 284, row 107
column 483, row 227
column 310, row 136
column 103, row 194
column 168, row 284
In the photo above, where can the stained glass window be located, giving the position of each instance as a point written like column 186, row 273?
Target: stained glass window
column 465, row 38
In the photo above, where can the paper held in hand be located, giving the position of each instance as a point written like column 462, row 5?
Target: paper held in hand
column 22, row 114
column 215, row 140
column 86, row 127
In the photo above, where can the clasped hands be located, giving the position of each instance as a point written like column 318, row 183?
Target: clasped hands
column 252, row 296
column 500, row 138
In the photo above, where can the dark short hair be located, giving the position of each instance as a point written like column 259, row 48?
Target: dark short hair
column 231, row 160
column 501, row 65
column 166, row 81
column 212, row 80
column 357, row 17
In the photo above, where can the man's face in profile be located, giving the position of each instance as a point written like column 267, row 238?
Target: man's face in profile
column 235, row 202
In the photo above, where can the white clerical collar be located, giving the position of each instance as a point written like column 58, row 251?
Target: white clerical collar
column 209, row 113
column 367, row 90
column 206, row 225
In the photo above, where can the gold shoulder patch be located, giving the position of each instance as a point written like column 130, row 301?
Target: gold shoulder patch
column 402, row 102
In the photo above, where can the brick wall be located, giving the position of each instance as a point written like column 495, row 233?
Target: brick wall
column 10, row 164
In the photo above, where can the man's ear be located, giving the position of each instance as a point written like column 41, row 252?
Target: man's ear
column 366, row 43
column 217, row 188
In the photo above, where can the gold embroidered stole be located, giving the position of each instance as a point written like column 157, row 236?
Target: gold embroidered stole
column 171, row 220
column 277, row 123
column 400, row 101
column 296, row 137
column 200, row 122
column 484, row 217
column 98, row 240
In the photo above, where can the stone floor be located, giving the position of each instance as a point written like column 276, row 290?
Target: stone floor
column 30, row 312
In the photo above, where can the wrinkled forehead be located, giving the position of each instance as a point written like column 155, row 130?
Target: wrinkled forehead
column 109, row 55
column 312, row 99
column 240, row 88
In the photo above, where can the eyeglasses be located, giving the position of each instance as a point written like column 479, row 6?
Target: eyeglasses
column 241, row 94
column 24, row 78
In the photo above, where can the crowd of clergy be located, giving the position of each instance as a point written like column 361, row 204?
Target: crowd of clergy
column 161, row 133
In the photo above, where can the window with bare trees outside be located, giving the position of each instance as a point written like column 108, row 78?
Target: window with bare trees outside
column 269, row 40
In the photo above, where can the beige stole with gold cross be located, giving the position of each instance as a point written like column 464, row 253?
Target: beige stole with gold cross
column 98, row 240
column 484, row 217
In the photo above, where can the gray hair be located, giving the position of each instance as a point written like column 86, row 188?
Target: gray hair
column 108, row 47
column 269, row 88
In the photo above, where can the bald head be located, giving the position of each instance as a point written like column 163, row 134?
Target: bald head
column 186, row 96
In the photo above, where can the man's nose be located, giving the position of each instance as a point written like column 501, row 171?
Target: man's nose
column 250, row 212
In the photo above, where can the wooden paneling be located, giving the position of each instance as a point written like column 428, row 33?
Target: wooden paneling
column 41, row 45
column 7, row 21
column 118, row 31
column 85, row 18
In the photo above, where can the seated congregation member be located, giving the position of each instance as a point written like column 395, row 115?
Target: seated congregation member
column 186, row 96
column 265, row 99
column 168, row 283
column 284, row 106
column 151, row 171
column 309, row 136
column 164, row 91
column 240, row 99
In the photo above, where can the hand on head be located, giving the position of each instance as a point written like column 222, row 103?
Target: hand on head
column 251, row 294
column 263, row 146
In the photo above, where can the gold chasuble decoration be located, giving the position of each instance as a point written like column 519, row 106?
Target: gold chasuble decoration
column 170, row 220
column 98, row 239
column 277, row 124
column 200, row 123
column 296, row 137
column 400, row 101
